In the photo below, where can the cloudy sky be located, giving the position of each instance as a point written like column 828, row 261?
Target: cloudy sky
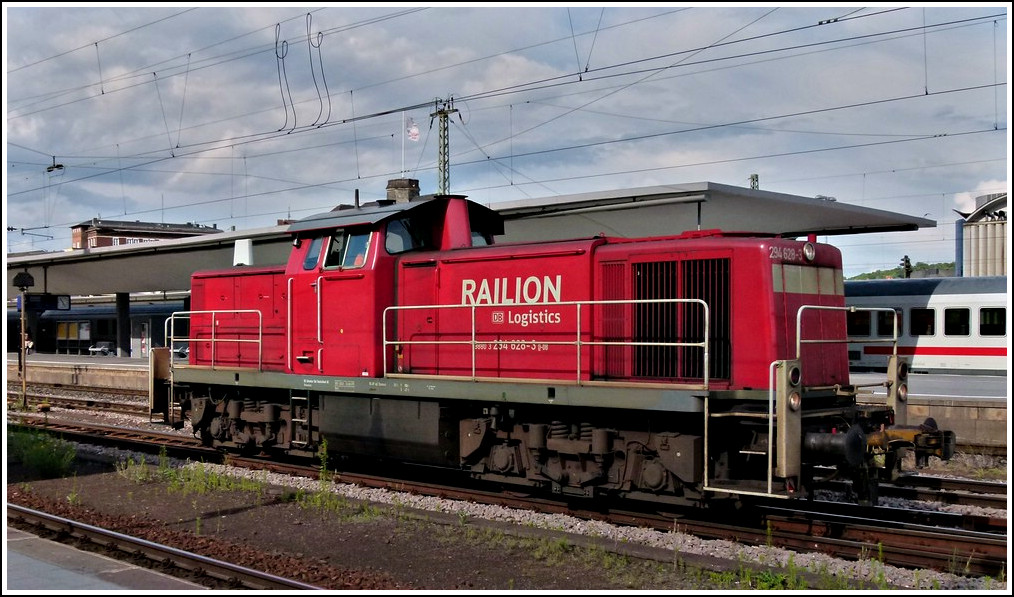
column 240, row 116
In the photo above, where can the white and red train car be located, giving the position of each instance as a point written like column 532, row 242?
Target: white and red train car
column 942, row 325
column 684, row 369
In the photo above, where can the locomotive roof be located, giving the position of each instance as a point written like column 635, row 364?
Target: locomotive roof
column 349, row 215
column 927, row 286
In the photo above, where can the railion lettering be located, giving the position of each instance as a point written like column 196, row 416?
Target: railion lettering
column 510, row 290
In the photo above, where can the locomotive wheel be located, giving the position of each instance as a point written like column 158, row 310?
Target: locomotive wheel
column 203, row 413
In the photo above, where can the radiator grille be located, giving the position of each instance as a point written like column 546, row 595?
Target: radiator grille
column 704, row 279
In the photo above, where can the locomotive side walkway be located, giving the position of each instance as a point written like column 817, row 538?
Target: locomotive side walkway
column 974, row 407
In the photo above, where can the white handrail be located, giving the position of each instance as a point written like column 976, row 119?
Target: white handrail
column 171, row 338
column 799, row 327
column 578, row 343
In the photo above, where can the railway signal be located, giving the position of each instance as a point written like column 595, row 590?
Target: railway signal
column 906, row 265
column 24, row 281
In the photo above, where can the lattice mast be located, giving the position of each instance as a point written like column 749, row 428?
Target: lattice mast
column 442, row 111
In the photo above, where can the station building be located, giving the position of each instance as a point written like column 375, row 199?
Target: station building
column 112, row 233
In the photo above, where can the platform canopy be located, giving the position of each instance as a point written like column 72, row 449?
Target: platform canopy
column 157, row 266
column 166, row 266
column 672, row 209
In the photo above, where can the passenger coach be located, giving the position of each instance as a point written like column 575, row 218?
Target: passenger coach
column 943, row 325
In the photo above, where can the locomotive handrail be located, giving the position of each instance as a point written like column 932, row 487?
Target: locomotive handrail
column 578, row 343
column 851, row 309
column 170, row 332
column 288, row 322
column 772, row 395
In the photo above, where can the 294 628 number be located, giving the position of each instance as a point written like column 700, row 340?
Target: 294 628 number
column 785, row 253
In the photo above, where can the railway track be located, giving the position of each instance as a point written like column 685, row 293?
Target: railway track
column 41, row 401
column 962, row 492
column 175, row 445
column 209, row 571
column 958, row 492
column 902, row 544
column 81, row 389
column 942, row 490
column 944, row 542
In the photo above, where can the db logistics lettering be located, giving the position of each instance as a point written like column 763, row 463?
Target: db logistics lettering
column 533, row 317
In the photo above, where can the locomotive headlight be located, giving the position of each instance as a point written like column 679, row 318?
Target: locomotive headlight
column 902, row 371
column 795, row 376
column 902, row 392
column 809, row 251
column 795, row 401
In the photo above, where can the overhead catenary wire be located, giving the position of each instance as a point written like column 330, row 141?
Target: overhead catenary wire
column 264, row 137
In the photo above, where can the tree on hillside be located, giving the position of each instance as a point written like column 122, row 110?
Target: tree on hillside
column 919, row 270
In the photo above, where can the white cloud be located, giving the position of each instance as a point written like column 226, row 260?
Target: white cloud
column 966, row 202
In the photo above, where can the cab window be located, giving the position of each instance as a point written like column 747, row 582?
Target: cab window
column 481, row 239
column 405, row 235
column 356, row 247
column 347, row 250
column 313, row 253
column 335, row 247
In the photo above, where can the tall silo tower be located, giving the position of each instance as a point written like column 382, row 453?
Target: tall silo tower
column 982, row 238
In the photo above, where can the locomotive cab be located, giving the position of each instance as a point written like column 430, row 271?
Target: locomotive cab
column 340, row 276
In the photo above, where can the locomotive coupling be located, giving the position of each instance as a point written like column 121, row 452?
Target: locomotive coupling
column 836, row 448
column 926, row 439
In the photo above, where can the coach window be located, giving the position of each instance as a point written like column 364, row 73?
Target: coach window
column 921, row 322
column 885, row 323
column 313, row 253
column 857, row 323
column 956, row 322
column 992, row 321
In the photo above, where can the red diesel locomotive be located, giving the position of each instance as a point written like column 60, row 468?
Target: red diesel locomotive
column 680, row 369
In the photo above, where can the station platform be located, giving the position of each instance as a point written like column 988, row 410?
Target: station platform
column 33, row 564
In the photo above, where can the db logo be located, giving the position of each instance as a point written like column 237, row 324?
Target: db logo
column 497, row 316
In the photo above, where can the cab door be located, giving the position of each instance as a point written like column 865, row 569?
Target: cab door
column 349, row 305
column 303, row 289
